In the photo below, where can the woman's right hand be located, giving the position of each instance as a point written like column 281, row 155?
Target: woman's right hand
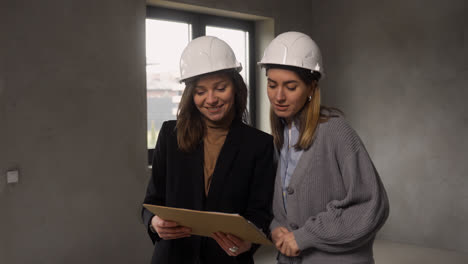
column 277, row 235
column 169, row 229
column 285, row 242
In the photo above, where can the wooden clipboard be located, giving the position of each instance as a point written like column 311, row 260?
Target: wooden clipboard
column 206, row 223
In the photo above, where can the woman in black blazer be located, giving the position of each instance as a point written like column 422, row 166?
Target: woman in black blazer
column 209, row 159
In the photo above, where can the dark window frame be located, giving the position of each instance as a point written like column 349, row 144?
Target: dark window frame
column 199, row 22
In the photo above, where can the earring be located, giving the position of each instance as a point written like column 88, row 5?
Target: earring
column 310, row 98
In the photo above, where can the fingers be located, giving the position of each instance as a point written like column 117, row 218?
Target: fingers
column 294, row 249
column 173, row 232
column 288, row 250
column 169, row 229
column 278, row 240
column 289, row 246
column 279, row 243
column 222, row 243
column 241, row 244
column 228, row 241
column 277, row 234
column 235, row 240
column 283, row 249
column 159, row 222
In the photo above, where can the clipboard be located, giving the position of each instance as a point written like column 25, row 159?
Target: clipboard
column 205, row 223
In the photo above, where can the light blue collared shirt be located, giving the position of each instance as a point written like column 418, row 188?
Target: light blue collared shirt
column 289, row 157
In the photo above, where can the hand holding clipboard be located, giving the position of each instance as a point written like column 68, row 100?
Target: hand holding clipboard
column 205, row 223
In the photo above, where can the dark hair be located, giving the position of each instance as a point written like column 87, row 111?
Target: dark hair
column 190, row 125
column 309, row 116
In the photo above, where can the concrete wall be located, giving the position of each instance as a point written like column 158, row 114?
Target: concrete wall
column 287, row 15
column 3, row 149
column 72, row 112
column 399, row 70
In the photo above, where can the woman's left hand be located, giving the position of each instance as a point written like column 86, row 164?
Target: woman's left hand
column 289, row 246
column 231, row 244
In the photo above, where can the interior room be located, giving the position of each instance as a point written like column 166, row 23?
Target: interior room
column 75, row 131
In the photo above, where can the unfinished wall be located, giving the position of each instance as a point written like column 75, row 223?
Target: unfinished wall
column 72, row 112
column 3, row 149
column 399, row 70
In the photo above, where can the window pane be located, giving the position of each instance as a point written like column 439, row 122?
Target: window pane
column 165, row 42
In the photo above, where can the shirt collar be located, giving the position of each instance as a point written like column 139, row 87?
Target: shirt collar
column 296, row 123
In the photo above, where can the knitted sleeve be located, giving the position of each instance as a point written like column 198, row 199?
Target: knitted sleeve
column 349, row 223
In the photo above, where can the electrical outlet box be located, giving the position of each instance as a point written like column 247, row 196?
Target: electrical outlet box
column 12, row 176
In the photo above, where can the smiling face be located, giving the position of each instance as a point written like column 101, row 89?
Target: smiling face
column 287, row 92
column 214, row 97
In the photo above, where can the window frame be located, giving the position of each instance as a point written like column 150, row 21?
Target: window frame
column 199, row 21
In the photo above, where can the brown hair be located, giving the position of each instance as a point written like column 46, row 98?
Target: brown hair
column 190, row 125
column 311, row 114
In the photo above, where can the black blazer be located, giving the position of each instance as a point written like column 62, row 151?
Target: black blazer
column 242, row 183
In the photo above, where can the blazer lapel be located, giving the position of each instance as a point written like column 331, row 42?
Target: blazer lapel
column 224, row 164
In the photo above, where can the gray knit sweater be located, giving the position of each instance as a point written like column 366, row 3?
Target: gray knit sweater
column 336, row 201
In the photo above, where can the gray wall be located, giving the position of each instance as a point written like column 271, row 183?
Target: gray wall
column 3, row 149
column 72, row 112
column 399, row 70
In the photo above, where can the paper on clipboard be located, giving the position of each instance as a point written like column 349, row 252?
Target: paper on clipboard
column 206, row 223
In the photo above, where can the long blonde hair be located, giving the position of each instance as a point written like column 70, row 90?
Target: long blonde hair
column 309, row 117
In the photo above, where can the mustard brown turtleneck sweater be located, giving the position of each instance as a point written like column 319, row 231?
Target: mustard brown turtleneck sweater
column 213, row 141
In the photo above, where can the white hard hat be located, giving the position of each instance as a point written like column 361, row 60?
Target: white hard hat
column 293, row 49
column 206, row 54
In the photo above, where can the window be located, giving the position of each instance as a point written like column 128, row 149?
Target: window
column 167, row 33
column 163, row 89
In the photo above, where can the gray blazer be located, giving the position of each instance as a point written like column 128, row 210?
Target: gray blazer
column 336, row 202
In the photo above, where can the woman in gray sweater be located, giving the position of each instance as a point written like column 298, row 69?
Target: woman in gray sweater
column 329, row 201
